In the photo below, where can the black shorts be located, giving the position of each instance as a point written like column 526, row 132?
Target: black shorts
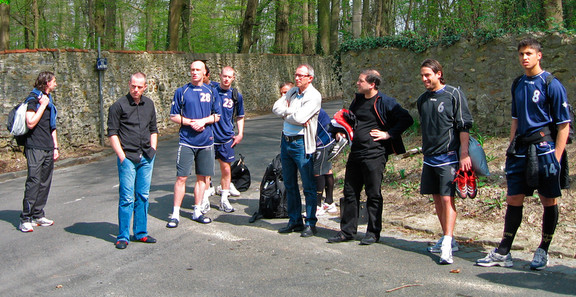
column 438, row 180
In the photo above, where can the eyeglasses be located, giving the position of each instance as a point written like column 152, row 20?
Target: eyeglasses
column 301, row 75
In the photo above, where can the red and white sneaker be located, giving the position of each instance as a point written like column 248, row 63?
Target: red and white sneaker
column 472, row 184
column 461, row 182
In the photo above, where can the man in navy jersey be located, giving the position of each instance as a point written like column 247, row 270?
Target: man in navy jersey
column 380, row 122
column 224, row 137
column 445, row 121
column 539, row 111
column 196, row 108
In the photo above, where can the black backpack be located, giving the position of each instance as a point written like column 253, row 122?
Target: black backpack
column 272, row 202
column 240, row 175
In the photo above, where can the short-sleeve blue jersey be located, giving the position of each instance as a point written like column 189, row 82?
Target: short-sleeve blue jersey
column 535, row 106
column 224, row 129
column 195, row 102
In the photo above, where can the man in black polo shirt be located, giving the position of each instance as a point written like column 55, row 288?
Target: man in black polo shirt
column 133, row 136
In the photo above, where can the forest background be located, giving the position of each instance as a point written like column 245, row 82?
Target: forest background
column 267, row 26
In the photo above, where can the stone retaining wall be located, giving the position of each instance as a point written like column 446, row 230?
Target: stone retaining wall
column 484, row 72
column 77, row 97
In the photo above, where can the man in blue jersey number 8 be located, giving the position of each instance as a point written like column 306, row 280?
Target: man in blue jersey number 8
column 537, row 108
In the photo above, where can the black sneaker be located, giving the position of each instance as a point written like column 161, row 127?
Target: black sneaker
column 340, row 237
column 121, row 244
column 338, row 147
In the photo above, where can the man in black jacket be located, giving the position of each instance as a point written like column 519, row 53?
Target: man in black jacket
column 380, row 121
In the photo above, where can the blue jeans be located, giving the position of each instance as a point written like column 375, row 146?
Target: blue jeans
column 294, row 158
column 134, row 190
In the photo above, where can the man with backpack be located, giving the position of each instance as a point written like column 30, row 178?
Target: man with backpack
column 41, row 150
column 299, row 108
column 534, row 155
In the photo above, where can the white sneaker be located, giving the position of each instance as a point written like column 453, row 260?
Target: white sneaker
column 43, row 221
column 437, row 248
column 446, row 256
column 320, row 211
column 205, row 206
column 219, row 190
column 495, row 259
column 209, row 191
column 233, row 190
column 540, row 260
column 225, row 205
column 26, row 227
column 330, row 208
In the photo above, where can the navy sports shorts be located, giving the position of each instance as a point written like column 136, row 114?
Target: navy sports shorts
column 548, row 173
column 225, row 151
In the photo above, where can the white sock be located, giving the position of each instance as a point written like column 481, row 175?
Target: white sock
column 176, row 213
column 447, row 242
column 197, row 212
column 225, row 194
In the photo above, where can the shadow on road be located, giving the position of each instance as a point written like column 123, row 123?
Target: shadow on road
column 101, row 230
column 11, row 216
column 559, row 284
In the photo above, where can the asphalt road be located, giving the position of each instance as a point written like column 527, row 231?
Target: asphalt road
column 230, row 257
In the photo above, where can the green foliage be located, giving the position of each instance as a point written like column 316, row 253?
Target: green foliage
column 495, row 202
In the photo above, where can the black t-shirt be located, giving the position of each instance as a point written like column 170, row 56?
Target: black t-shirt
column 40, row 137
column 363, row 145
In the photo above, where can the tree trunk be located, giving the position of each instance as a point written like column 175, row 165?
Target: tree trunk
column 323, row 27
column 110, row 26
column 553, row 14
column 282, row 37
column 247, row 27
column 174, row 15
column 149, row 10
column 366, row 18
column 186, row 25
column 99, row 19
column 378, row 17
column 356, row 18
column 387, row 17
column 334, row 25
column 407, row 24
column 307, row 15
column 91, row 35
column 36, row 14
column 4, row 26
